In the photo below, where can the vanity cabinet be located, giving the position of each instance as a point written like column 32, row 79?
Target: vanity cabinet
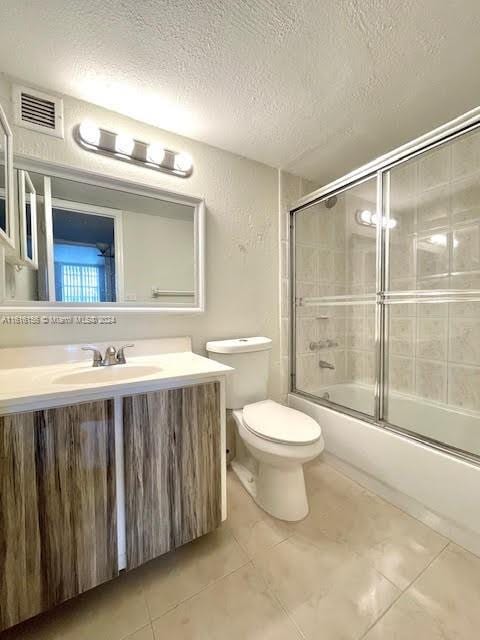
column 172, row 468
column 62, row 489
column 58, row 522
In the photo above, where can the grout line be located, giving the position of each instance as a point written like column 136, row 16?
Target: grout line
column 371, row 492
column 277, row 599
column 460, row 546
column 394, row 601
column 264, row 550
column 404, row 591
column 197, row 593
column 130, row 635
column 286, row 613
column 437, row 555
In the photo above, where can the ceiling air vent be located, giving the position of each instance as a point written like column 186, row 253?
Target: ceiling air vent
column 38, row 111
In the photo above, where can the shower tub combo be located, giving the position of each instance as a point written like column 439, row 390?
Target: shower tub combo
column 385, row 324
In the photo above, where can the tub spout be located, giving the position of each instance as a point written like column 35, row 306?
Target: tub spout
column 325, row 365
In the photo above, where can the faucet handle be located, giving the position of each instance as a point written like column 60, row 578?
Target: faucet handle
column 97, row 356
column 332, row 343
column 121, row 353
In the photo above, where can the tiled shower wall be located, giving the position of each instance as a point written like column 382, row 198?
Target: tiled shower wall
column 434, row 349
column 320, row 271
column 335, row 257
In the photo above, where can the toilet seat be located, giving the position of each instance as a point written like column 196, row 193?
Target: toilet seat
column 275, row 422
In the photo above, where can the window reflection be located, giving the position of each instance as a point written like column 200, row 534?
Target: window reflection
column 84, row 255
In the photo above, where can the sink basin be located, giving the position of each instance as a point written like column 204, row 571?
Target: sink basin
column 115, row 373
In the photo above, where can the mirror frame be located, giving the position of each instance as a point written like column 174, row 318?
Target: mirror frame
column 25, row 181
column 7, row 237
column 107, row 181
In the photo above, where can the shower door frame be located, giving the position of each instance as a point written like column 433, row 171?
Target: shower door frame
column 380, row 169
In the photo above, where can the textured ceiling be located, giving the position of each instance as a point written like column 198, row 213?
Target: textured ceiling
column 313, row 86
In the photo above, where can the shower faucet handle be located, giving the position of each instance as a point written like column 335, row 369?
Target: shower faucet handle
column 322, row 344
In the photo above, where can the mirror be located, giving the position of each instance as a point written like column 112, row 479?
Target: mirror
column 105, row 243
column 6, row 181
column 27, row 209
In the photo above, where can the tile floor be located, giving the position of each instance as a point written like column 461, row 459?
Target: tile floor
column 356, row 567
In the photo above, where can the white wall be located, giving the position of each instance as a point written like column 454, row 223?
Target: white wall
column 242, row 235
column 20, row 285
column 158, row 253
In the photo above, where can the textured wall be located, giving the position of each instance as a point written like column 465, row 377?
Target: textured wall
column 316, row 88
column 242, row 235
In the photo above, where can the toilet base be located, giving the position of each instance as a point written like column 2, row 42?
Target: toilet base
column 272, row 472
column 280, row 491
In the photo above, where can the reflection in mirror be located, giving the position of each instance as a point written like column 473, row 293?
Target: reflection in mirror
column 3, row 203
column 27, row 205
column 6, row 210
column 84, row 254
column 99, row 244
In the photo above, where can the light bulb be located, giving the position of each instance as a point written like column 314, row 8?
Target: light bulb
column 89, row 133
column 439, row 239
column 386, row 223
column 183, row 162
column 124, row 144
column 366, row 216
column 155, row 153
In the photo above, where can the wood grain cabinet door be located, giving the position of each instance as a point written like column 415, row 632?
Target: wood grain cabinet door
column 172, row 468
column 58, row 528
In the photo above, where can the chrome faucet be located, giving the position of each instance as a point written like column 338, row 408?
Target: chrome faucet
column 325, row 365
column 121, row 354
column 112, row 355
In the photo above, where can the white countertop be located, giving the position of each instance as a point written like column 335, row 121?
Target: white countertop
column 25, row 388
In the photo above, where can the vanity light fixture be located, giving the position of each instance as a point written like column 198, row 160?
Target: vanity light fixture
column 124, row 144
column 155, row 153
column 441, row 240
column 369, row 219
column 122, row 147
column 90, row 133
column 183, row 162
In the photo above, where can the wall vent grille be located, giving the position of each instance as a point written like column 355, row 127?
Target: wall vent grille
column 38, row 111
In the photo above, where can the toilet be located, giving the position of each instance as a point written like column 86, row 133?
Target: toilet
column 273, row 441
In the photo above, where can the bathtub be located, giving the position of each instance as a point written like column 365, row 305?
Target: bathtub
column 441, row 490
column 452, row 426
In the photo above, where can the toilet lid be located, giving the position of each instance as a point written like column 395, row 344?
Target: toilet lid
column 278, row 423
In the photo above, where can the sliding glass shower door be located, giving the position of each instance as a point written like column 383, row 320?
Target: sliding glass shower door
column 335, row 287
column 386, row 294
column 433, row 334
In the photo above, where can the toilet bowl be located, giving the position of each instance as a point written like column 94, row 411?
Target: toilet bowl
column 273, row 444
column 273, row 441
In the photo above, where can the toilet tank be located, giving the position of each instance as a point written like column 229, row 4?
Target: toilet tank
column 250, row 359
